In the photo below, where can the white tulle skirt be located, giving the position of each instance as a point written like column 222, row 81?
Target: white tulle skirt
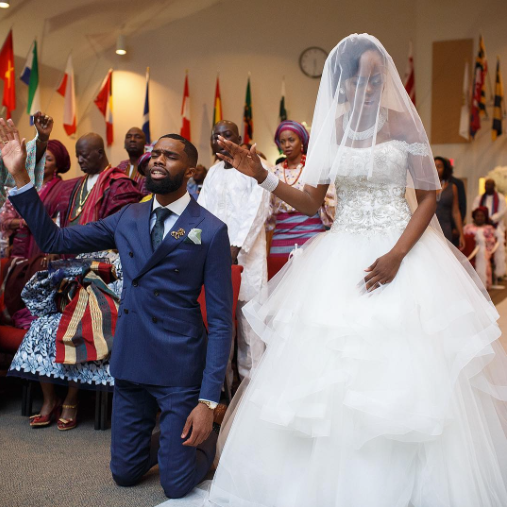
column 389, row 399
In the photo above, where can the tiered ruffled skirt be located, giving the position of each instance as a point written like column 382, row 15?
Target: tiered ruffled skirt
column 389, row 399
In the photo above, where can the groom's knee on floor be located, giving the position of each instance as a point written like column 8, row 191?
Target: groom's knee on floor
column 176, row 487
column 126, row 480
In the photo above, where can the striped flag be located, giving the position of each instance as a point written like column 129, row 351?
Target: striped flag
column 247, row 115
column 283, row 111
column 217, row 108
column 146, row 113
column 7, row 75
column 499, row 108
column 104, row 101
column 409, row 79
column 464, row 121
column 478, row 107
column 185, row 112
column 30, row 76
column 67, row 91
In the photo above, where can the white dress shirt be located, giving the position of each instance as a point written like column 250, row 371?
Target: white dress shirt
column 176, row 208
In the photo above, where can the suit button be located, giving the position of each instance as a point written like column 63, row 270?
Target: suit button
column 176, row 270
column 135, row 283
column 154, row 320
column 156, row 292
column 125, row 311
column 131, row 254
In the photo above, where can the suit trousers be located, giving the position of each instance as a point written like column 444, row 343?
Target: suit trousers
column 133, row 448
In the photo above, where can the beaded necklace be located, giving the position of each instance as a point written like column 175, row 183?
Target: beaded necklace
column 286, row 166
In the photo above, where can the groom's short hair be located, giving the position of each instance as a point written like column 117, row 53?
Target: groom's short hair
column 189, row 149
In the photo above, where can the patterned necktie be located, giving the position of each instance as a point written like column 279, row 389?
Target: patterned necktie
column 157, row 233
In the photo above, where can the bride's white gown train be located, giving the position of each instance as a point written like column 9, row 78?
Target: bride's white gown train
column 388, row 399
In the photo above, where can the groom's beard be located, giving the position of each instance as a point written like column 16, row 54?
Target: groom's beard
column 166, row 186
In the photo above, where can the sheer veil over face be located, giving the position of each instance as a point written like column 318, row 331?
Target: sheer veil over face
column 362, row 103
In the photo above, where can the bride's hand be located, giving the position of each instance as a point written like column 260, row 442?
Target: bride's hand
column 382, row 271
column 245, row 161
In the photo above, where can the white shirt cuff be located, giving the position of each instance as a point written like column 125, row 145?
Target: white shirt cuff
column 24, row 188
column 213, row 404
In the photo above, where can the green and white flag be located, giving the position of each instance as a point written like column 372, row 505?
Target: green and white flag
column 283, row 111
column 30, row 76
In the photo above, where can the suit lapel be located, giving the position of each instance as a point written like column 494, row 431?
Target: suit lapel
column 188, row 220
column 143, row 228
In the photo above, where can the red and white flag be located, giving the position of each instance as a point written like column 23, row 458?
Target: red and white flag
column 185, row 112
column 104, row 101
column 66, row 90
column 409, row 79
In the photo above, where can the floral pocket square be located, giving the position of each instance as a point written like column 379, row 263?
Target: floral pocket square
column 194, row 236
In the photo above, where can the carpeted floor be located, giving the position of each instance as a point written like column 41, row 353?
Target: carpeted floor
column 50, row 468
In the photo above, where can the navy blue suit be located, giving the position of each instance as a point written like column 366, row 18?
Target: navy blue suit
column 162, row 355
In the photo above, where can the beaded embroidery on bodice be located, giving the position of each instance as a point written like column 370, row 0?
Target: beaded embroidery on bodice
column 376, row 205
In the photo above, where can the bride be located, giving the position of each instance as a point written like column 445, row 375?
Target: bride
column 383, row 383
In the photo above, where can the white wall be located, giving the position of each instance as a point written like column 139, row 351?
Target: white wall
column 265, row 38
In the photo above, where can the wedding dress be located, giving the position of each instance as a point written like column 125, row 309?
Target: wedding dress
column 390, row 398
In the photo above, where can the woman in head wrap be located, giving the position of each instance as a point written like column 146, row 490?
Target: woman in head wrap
column 13, row 226
column 291, row 227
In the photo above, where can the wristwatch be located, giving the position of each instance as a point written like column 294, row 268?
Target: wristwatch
column 210, row 404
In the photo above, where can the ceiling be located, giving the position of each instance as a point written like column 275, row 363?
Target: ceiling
column 87, row 27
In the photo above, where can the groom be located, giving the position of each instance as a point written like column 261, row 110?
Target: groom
column 162, row 356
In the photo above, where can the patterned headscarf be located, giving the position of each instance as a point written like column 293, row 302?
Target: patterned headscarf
column 485, row 210
column 295, row 127
column 62, row 158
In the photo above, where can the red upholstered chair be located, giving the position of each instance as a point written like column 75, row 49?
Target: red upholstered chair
column 275, row 264
column 10, row 337
column 471, row 249
column 236, row 285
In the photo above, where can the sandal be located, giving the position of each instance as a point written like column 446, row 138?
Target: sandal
column 67, row 424
column 39, row 421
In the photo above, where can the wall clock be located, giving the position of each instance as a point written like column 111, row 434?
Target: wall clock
column 312, row 61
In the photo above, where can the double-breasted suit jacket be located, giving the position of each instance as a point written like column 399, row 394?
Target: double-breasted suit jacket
column 160, row 338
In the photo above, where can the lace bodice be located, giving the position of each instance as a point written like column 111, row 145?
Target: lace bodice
column 376, row 205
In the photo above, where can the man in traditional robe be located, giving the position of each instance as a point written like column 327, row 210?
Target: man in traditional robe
column 135, row 141
column 239, row 202
column 103, row 189
column 495, row 202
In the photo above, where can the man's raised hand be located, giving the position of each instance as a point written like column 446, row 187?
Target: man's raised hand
column 13, row 152
column 245, row 161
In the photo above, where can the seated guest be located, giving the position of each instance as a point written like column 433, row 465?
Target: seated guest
column 35, row 150
column 291, row 227
column 484, row 234
column 102, row 191
column 14, row 227
column 135, row 140
column 495, row 202
column 195, row 183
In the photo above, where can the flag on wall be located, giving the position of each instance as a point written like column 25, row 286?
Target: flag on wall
column 104, row 101
column 185, row 112
column 217, row 107
column 499, row 108
column 409, row 79
column 30, row 76
column 7, row 75
column 464, row 121
column 247, row 115
column 478, row 107
column 67, row 91
column 283, row 111
column 146, row 112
